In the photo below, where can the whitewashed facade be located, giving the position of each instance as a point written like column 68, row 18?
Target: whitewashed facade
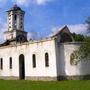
column 47, row 59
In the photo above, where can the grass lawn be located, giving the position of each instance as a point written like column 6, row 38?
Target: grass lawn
column 39, row 85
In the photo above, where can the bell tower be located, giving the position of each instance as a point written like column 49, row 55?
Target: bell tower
column 15, row 20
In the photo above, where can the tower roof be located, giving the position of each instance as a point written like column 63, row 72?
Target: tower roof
column 15, row 8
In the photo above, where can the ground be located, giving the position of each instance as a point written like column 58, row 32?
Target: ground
column 39, row 85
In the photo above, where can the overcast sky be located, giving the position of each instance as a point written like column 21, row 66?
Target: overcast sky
column 45, row 16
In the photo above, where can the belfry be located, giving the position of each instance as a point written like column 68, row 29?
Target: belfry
column 15, row 22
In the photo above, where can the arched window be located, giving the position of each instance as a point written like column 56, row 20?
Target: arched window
column 34, row 60
column 10, row 63
column 15, row 17
column 46, row 60
column 1, row 63
column 21, row 66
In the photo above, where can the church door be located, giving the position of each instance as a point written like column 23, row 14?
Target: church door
column 21, row 67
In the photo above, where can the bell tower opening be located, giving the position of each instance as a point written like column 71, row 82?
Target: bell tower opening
column 15, row 19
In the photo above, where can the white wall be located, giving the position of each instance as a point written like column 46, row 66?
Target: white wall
column 38, row 48
column 63, row 63
column 59, row 59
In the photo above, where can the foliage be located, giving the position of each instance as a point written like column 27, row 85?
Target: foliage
column 39, row 85
column 83, row 53
column 84, row 50
column 78, row 37
column 88, row 24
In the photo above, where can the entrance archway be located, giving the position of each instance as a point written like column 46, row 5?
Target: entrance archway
column 21, row 67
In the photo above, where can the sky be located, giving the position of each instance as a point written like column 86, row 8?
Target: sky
column 43, row 17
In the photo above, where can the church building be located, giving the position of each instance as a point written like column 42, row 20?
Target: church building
column 52, row 58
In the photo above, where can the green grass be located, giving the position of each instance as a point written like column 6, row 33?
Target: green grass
column 39, row 85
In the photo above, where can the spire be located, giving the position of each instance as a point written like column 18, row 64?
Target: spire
column 15, row 7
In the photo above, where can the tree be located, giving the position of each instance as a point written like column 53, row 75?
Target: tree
column 84, row 50
column 88, row 24
column 78, row 37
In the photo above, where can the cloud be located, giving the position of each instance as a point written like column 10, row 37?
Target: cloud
column 22, row 2
column 3, row 28
column 3, row 2
column 28, row 2
column 78, row 28
column 32, row 35
column 43, row 2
